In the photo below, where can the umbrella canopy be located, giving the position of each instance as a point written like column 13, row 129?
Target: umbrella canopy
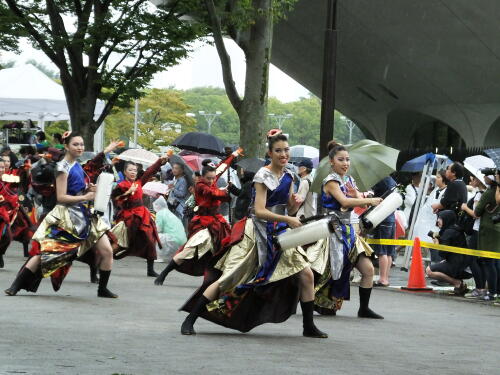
column 202, row 143
column 370, row 162
column 154, row 188
column 251, row 164
column 138, row 155
column 188, row 171
column 304, row 151
column 417, row 164
column 494, row 153
column 477, row 162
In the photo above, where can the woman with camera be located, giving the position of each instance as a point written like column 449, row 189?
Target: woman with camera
column 451, row 269
column 489, row 233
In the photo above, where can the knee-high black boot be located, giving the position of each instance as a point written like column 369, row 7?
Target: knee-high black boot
column 161, row 278
column 187, row 326
column 93, row 274
column 2, row 264
column 22, row 279
column 310, row 330
column 103, row 290
column 364, row 299
column 26, row 249
column 151, row 270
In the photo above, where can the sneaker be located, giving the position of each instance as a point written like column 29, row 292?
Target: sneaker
column 476, row 293
column 488, row 297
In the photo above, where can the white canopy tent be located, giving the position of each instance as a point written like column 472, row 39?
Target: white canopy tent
column 26, row 93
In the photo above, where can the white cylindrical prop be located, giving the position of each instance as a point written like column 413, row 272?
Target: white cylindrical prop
column 103, row 192
column 305, row 234
column 388, row 206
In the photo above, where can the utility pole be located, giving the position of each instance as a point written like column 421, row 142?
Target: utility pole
column 210, row 118
column 280, row 119
column 329, row 78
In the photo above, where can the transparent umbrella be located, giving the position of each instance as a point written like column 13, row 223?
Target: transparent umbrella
column 370, row 162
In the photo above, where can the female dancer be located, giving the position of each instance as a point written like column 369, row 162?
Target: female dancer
column 69, row 231
column 141, row 236
column 339, row 194
column 259, row 282
column 206, row 230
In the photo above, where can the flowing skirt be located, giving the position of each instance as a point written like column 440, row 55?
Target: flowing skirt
column 251, row 292
column 332, row 264
column 65, row 234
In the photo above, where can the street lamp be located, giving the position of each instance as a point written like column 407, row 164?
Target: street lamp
column 210, row 118
column 280, row 119
column 136, row 119
column 350, row 126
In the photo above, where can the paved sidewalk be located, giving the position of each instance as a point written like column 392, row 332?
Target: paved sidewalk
column 74, row 332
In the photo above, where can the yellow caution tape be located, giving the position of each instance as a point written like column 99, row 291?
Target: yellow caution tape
column 430, row 245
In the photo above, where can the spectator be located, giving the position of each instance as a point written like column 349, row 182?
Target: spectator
column 489, row 232
column 456, row 191
column 411, row 193
column 58, row 142
column 435, row 197
column 309, row 199
column 385, row 230
column 41, row 140
column 481, row 267
column 452, row 268
column 179, row 191
column 170, row 230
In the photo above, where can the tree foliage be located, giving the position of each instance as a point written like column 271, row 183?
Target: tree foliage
column 302, row 127
column 104, row 49
column 160, row 111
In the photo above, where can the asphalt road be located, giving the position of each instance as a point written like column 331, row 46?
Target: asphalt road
column 74, row 332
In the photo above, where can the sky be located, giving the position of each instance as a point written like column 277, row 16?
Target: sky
column 201, row 68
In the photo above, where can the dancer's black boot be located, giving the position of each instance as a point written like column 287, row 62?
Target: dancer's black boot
column 94, row 279
column 163, row 275
column 151, row 270
column 103, row 290
column 2, row 264
column 187, row 326
column 26, row 249
column 364, row 299
column 22, row 279
column 310, row 330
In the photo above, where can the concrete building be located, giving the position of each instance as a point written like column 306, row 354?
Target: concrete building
column 409, row 73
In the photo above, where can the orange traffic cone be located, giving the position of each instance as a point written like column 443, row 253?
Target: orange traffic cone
column 416, row 281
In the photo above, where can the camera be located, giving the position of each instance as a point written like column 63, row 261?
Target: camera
column 433, row 235
column 495, row 219
column 488, row 171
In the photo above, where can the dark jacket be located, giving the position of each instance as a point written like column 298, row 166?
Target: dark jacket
column 452, row 235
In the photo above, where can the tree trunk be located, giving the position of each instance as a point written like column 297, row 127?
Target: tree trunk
column 253, row 110
column 82, row 122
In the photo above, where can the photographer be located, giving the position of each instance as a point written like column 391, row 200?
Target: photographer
column 451, row 269
column 456, row 191
column 489, row 232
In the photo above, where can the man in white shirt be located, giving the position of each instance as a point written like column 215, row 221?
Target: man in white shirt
column 308, row 207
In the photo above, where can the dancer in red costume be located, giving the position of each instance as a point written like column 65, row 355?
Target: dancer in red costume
column 207, row 230
column 137, row 235
column 15, row 182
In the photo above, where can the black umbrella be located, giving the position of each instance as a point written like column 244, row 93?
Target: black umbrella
column 251, row 164
column 202, row 143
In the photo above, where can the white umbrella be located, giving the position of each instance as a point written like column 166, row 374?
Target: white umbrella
column 304, row 151
column 138, row 155
column 477, row 162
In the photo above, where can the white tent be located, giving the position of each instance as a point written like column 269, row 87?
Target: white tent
column 27, row 93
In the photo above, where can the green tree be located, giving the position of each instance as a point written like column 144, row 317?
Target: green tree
column 161, row 110
column 250, row 24
column 212, row 99
column 109, row 49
